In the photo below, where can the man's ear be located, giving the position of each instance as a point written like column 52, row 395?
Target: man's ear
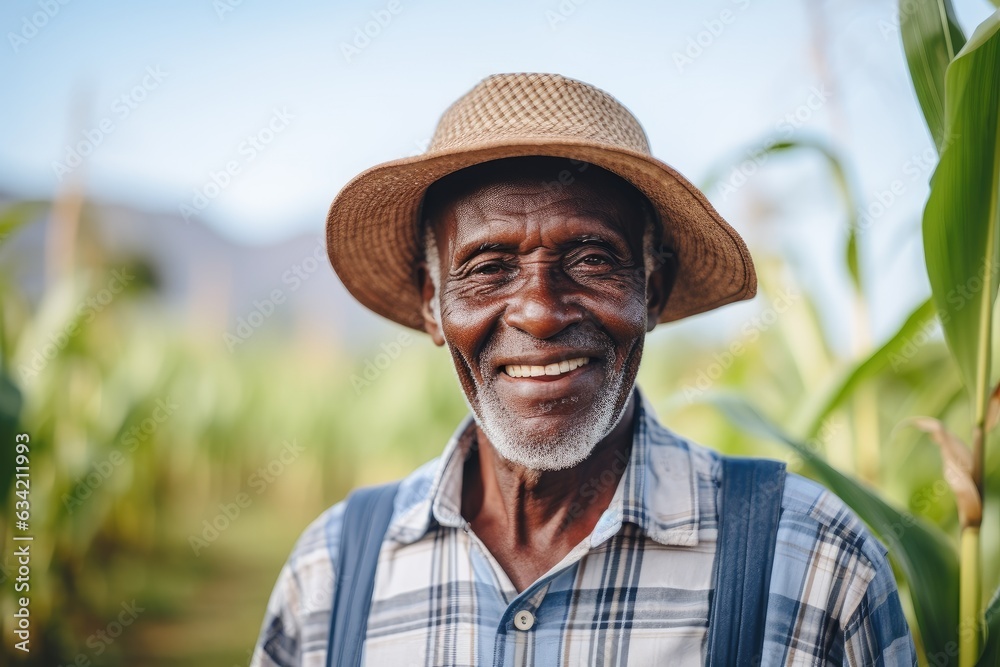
column 659, row 284
column 431, row 324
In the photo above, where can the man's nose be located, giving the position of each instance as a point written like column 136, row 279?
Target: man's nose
column 545, row 304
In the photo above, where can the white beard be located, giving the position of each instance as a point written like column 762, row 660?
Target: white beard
column 515, row 443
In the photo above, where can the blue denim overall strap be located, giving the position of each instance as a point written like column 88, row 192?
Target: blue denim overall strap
column 749, row 502
column 749, row 508
column 366, row 519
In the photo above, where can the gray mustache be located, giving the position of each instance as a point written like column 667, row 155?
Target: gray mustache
column 517, row 343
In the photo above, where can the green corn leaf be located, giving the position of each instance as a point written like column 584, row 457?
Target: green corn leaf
column 893, row 353
column 923, row 553
column 962, row 216
column 931, row 39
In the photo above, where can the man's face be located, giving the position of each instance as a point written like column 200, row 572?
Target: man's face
column 544, row 308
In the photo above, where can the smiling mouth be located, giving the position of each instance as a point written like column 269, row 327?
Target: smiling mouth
column 557, row 368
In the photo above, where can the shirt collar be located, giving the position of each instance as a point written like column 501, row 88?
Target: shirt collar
column 658, row 490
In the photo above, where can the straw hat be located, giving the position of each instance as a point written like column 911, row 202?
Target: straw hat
column 372, row 228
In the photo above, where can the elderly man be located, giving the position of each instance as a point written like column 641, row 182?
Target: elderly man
column 563, row 525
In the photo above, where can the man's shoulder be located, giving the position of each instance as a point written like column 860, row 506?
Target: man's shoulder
column 813, row 512
column 825, row 558
column 318, row 536
column 812, row 516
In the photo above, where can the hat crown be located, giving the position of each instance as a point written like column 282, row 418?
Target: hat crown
column 508, row 107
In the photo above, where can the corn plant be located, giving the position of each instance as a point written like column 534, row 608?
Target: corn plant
column 958, row 87
column 961, row 226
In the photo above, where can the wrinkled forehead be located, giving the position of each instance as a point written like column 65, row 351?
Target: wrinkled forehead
column 535, row 196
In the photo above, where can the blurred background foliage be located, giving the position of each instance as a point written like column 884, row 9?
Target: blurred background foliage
column 172, row 475
column 127, row 534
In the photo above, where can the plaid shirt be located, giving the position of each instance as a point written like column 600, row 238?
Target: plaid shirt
column 635, row 592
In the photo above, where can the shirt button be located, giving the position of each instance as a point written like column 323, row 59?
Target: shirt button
column 523, row 620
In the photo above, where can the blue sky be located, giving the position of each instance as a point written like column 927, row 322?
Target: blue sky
column 172, row 93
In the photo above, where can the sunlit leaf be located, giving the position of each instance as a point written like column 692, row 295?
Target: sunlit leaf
column 923, row 553
column 931, row 38
column 962, row 215
column 895, row 352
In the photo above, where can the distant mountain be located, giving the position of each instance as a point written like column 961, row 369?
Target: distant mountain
column 223, row 285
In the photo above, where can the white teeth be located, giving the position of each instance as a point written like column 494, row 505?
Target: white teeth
column 558, row 368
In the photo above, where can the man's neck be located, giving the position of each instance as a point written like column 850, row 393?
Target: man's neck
column 532, row 513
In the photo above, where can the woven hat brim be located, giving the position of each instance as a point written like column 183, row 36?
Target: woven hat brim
column 371, row 229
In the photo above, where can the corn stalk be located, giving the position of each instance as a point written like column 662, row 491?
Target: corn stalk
column 961, row 225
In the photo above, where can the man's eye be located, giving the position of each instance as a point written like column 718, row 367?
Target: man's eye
column 597, row 260
column 488, row 269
